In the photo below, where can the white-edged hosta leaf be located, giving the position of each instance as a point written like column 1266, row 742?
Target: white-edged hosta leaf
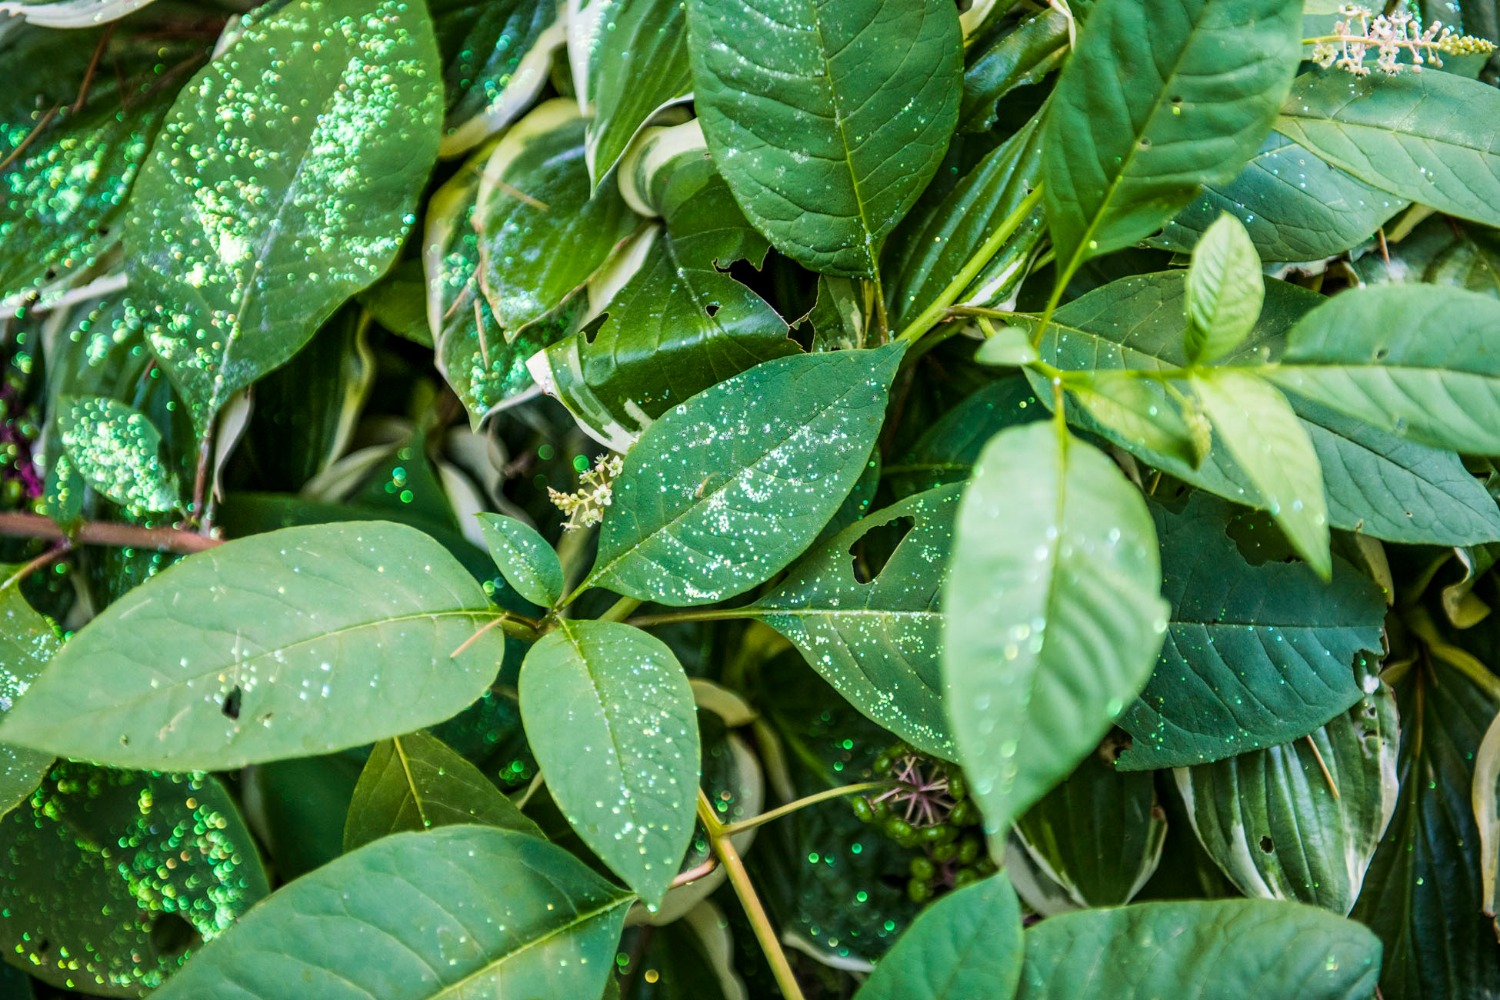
column 1202, row 948
column 1052, row 614
column 71, row 13
column 1155, row 101
column 496, row 57
column 1432, row 138
column 291, row 643
column 1486, row 799
column 877, row 641
column 543, row 229
column 965, row 946
column 117, row 451
column 1416, row 361
column 1255, row 655
column 1281, row 827
column 524, row 558
column 610, row 716
column 827, row 119
column 462, row 911
column 727, row 488
column 1260, row 430
column 27, row 643
column 1225, row 290
column 417, row 782
column 283, row 182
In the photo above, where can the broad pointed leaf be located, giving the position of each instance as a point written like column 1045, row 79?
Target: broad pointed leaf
column 456, row 912
column 286, row 644
column 827, row 119
column 1225, row 290
column 118, row 452
column 729, row 487
column 1157, row 100
column 524, row 558
column 27, row 643
column 416, row 782
column 1052, row 615
column 610, row 717
column 248, row 229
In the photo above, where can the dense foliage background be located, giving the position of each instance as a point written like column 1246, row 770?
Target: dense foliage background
column 710, row 499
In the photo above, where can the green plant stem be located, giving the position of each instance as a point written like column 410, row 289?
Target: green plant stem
column 20, row 525
column 938, row 309
column 620, row 610
column 803, row 803
column 739, row 878
column 703, row 615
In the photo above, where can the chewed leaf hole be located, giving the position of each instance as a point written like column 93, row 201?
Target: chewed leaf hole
column 171, row 934
column 1267, row 844
column 876, row 546
column 231, row 707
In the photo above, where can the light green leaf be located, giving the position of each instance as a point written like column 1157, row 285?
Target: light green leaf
column 1413, row 360
column 27, row 643
column 118, row 452
column 1099, row 834
column 524, row 558
column 1255, row 655
column 248, row 229
column 610, row 717
column 1301, row 821
column 1052, row 618
column 1261, row 431
column 542, row 234
column 1225, row 290
column 1008, row 347
column 1227, row 947
column 877, row 640
column 455, row 912
column 416, row 782
column 285, row 644
column 1295, row 206
column 1137, row 410
column 1007, row 56
column 966, row 945
column 496, row 58
column 728, row 488
column 90, row 902
column 1157, row 100
column 1432, row 138
column 827, row 119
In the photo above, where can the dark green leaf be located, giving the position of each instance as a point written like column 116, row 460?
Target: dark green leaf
column 610, row 717
column 729, row 487
column 1006, row 58
column 524, row 558
column 297, row 808
column 462, row 910
column 948, row 449
column 496, row 54
column 826, row 119
column 290, row 643
column 248, row 229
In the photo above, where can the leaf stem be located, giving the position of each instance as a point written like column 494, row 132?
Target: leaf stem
column 22, row 525
column 42, row 561
column 739, row 878
column 695, row 873
column 620, row 610
column 701, row 615
column 803, row 803
column 938, row 308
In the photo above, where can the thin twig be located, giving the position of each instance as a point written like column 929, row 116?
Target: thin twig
column 42, row 561
column 802, row 803
column 1327, row 776
column 88, row 74
column 695, row 873
column 21, row 147
column 20, row 525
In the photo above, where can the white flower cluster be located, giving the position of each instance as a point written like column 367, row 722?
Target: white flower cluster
column 1390, row 35
column 585, row 507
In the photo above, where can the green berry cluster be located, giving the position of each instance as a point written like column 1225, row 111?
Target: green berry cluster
column 928, row 810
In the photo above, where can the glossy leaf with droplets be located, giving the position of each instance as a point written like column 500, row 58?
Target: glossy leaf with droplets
column 117, row 451
column 524, row 558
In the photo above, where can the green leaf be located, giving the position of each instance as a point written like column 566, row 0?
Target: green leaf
column 1051, row 614
column 1099, row 834
column 1229, row 947
column 118, row 452
column 27, row 643
column 1295, row 206
column 416, row 782
column 496, row 58
column 524, row 558
column 1157, row 100
column 610, row 717
column 1432, row 138
column 1412, row 360
column 1262, row 433
column 1255, row 655
column 637, row 62
column 679, row 324
column 1006, row 57
column 290, row 643
column 1007, row 347
column 1301, row 821
column 298, row 807
column 728, row 488
column 90, row 900
column 1423, row 893
column 877, row 640
column 1137, row 410
column 1225, row 290
column 966, row 945
column 247, row 230
column 1439, row 251
column 826, row 119
column 948, row 449
column 462, row 910
column 542, row 234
